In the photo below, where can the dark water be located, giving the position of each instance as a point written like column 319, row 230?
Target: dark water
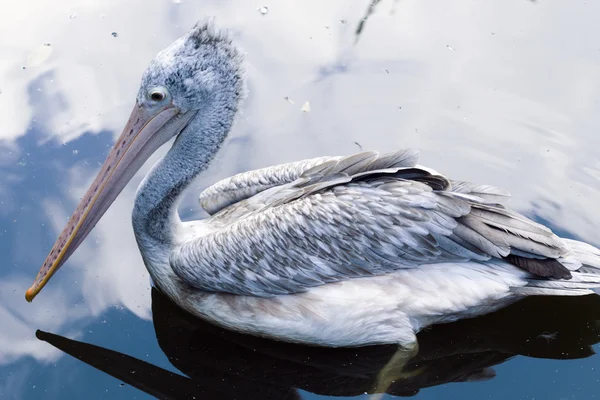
column 502, row 92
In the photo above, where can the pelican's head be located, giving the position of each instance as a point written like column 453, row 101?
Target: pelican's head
column 199, row 72
column 198, row 69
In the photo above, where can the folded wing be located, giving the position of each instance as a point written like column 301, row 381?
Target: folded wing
column 358, row 216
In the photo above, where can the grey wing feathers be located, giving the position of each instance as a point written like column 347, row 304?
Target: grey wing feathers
column 358, row 167
column 488, row 193
column 247, row 184
column 367, row 161
column 357, row 216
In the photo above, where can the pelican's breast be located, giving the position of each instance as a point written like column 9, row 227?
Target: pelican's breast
column 383, row 309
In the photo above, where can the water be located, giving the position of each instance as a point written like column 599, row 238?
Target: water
column 503, row 92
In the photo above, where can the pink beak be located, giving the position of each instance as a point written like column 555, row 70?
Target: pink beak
column 147, row 129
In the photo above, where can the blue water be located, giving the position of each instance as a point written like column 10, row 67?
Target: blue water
column 504, row 92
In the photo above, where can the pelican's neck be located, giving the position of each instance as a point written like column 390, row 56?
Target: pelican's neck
column 155, row 217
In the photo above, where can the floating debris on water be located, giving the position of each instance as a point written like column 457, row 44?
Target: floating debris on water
column 263, row 10
column 548, row 335
column 114, row 34
column 306, row 107
column 38, row 55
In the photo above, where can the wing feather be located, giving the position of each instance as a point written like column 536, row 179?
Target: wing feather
column 356, row 216
column 247, row 184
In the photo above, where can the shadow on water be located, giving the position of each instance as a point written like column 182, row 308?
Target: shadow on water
column 223, row 364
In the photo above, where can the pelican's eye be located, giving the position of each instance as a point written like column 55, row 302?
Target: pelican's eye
column 157, row 94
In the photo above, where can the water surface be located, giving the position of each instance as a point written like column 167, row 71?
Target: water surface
column 498, row 92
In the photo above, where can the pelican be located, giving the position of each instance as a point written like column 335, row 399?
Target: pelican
column 334, row 251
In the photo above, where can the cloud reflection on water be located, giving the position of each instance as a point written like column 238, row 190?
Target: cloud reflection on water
column 504, row 93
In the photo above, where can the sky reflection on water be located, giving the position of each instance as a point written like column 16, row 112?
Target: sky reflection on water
column 503, row 92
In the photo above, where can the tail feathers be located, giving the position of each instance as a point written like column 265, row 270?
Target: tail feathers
column 587, row 255
column 537, row 291
column 579, row 281
column 584, row 263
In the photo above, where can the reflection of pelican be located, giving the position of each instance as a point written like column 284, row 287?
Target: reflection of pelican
column 223, row 364
column 335, row 251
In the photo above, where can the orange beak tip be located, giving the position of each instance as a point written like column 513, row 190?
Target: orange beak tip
column 30, row 294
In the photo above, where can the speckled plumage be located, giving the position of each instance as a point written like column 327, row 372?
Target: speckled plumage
column 330, row 226
column 332, row 251
column 245, row 185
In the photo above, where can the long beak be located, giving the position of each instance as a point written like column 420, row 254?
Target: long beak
column 147, row 129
